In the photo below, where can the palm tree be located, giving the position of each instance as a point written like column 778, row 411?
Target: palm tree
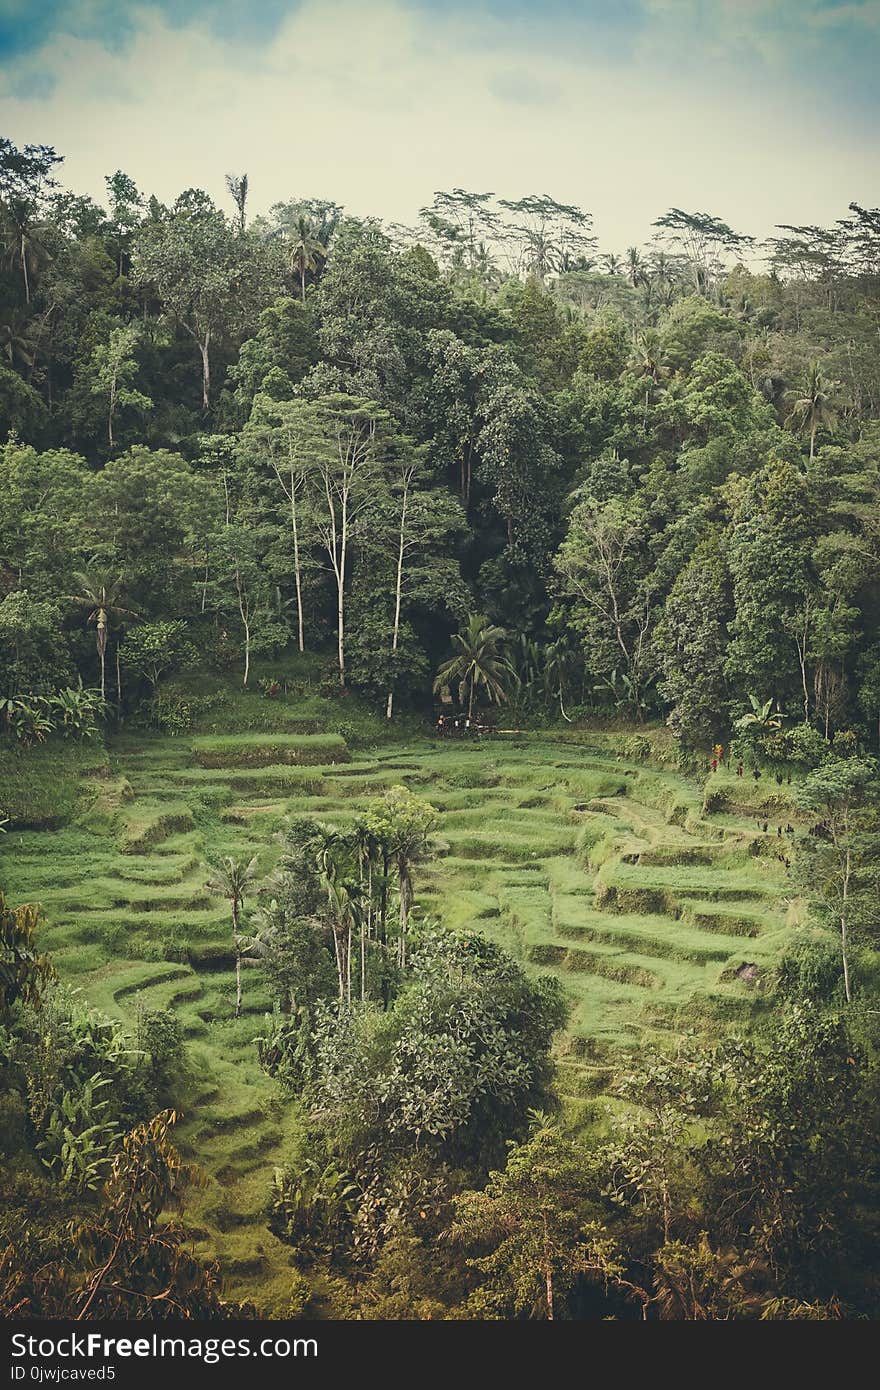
column 24, row 240
column 412, row 845
column 560, row 662
column 366, row 848
column 232, row 879
column 813, row 410
column 306, row 252
column 612, row 263
column 479, row 661
column 635, row 268
column 649, row 363
column 100, row 591
column 346, row 916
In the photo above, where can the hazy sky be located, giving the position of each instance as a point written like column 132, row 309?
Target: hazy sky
column 758, row 111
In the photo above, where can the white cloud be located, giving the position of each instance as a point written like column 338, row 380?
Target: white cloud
column 378, row 105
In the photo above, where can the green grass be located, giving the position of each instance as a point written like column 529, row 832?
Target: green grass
column 43, row 787
column 580, row 860
column 259, row 750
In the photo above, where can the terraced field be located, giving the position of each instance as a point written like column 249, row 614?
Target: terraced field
column 656, row 916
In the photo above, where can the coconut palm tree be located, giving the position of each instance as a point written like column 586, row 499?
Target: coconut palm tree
column 635, row 267
column 648, row 362
column 612, row 263
column 479, row 661
column 24, row 240
column 232, row 879
column 345, row 906
column 813, row 410
column 306, row 252
column 100, row 591
column 366, row 848
column 414, row 821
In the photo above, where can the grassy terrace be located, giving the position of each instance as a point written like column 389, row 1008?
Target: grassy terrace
column 658, row 915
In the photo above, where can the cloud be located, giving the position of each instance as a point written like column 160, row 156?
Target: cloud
column 378, row 104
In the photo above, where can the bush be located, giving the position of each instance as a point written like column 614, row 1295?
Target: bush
column 811, row 970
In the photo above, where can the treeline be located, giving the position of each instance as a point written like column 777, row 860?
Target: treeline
column 656, row 472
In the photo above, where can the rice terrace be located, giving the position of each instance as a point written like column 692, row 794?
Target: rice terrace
column 439, row 669
column 579, row 854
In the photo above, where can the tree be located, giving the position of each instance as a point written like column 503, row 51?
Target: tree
column 25, row 970
column 345, row 908
column 403, row 824
column 839, row 861
column 305, row 227
column 25, row 178
column 344, row 440
column 275, row 435
column 690, row 642
column 600, row 564
column 812, row 410
column 101, row 590
column 237, row 187
column 478, row 663
column 704, row 239
column 460, row 1059
column 205, row 276
column 546, row 234
column 232, row 879
column 34, row 655
column 528, row 1226
column 306, row 253
column 426, row 523
column 126, row 212
column 242, row 588
column 152, row 648
column 115, row 369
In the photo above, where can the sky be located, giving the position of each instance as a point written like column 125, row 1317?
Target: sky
column 757, row 111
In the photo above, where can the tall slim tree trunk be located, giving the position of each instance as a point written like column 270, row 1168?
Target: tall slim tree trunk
column 24, row 270
column 102, row 655
column 348, row 966
column 296, row 568
column 206, row 371
column 398, row 592
column 405, row 897
column 236, row 942
column 844, row 925
column 340, row 599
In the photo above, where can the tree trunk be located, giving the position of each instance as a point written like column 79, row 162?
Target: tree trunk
column 206, row 371
column 236, row 942
column 844, row 925
column 102, row 656
column 296, row 568
column 24, row 270
column 405, row 901
column 340, row 598
column 398, row 592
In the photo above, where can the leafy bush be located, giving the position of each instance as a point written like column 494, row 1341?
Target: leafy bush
column 810, row 971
